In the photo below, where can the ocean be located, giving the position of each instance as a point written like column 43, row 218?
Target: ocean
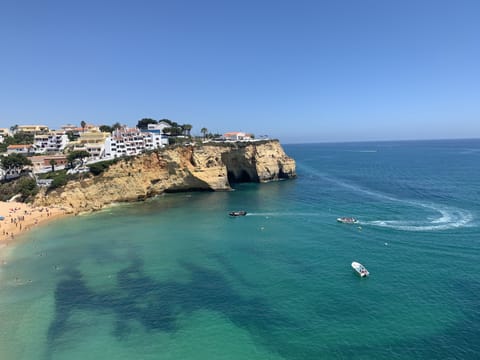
column 175, row 277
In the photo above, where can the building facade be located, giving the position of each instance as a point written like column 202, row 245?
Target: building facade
column 237, row 136
column 32, row 129
column 4, row 132
column 132, row 141
column 53, row 141
column 26, row 149
column 93, row 142
column 41, row 164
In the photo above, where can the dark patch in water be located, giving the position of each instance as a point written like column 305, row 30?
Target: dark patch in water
column 157, row 305
column 231, row 271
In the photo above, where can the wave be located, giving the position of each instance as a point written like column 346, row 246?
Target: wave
column 450, row 217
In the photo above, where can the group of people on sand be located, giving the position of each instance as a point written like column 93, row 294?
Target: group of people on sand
column 20, row 217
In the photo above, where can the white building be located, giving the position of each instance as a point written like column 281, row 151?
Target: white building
column 32, row 129
column 25, row 149
column 132, row 142
column 54, row 141
column 4, row 132
column 91, row 141
column 237, row 136
column 157, row 128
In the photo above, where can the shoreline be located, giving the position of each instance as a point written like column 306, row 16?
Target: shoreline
column 19, row 218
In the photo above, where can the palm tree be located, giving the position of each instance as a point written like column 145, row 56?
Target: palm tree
column 186, row 128
column 83, row 124
column 204, row 131
column 53, row 163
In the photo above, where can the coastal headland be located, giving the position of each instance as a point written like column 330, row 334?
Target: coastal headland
column 207, row 167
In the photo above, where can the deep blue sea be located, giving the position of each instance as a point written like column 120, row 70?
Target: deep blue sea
column 176, row 278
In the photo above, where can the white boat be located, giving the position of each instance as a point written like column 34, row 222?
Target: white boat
column 347, row 220
column 360, row 269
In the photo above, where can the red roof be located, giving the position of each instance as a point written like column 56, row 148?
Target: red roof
column 19, row 146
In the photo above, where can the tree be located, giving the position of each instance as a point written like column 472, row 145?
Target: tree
column 14, row 128
column 27, row 187
column 106, row 128
column 169, row 122
column 77, row 154
column 18, row 138
column 173, row 130
column 116, row 126
column 83, row 124
column 21, row 138
column 58, row 179
column 204, row 131
column 71, row 136
column 143, row 123
column 15, row 161
column 186, row 129
column 52, row 164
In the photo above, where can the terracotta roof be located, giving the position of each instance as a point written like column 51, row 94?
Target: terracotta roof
column 19, row 146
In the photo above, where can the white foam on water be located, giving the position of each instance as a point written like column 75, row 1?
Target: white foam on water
column 282, row 214
column 450, row 217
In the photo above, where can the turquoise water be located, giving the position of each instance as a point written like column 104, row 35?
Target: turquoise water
column 177, row 278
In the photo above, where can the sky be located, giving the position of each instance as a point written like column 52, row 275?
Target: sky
column 299, row 71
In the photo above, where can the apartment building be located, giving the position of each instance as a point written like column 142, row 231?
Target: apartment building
column 132, row 141
column 93, row 142
column 32, row 129
column 53, row 141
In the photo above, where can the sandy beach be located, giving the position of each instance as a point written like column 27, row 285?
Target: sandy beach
column 20, row 217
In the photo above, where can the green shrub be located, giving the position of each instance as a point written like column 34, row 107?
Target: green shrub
column 60, row 179
column 25, row 186
column 100, row 167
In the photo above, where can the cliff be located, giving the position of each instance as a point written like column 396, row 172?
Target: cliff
column 209, row 167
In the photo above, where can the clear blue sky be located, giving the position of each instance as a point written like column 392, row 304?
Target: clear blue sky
column 300, row 71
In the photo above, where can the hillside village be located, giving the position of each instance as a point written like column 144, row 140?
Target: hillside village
column 43, row 146
column 41, row 153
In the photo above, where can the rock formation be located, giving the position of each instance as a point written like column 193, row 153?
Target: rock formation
column 208, row 167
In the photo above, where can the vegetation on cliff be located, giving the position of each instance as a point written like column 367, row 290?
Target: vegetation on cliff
column 19, row 138
column 25, row 187
column 209, row 167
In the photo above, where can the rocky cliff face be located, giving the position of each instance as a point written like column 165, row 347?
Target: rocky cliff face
column 207, row 167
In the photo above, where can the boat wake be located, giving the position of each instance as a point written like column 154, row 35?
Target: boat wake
column 274, row 214
column 449, row 217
